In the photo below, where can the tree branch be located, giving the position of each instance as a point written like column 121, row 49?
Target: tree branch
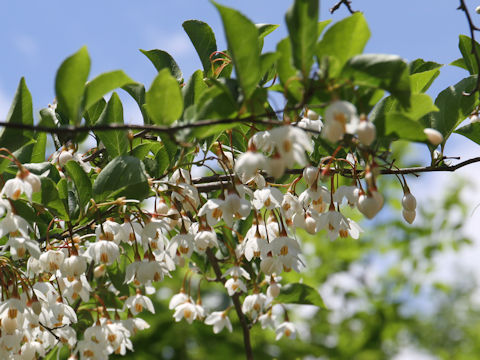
column 347, row 3
column 238, row 306
column 473, row 28
column 216, row 182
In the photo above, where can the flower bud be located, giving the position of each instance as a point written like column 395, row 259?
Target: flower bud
column 474, row 118
column 312, row 115
column 273, row 290
column 310, row 174
column 99, row 271
column 64, row 157
column 366, row 132
column 409, row 202
column 310, row 224
column 409, row 216
column 477, row 9
column 434, row 136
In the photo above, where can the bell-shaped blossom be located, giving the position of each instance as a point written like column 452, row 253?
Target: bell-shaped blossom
column 138, row 302
column 234, row 285
column 19, row 246
column 269, row 197
column 219, row 320
column 286, row 329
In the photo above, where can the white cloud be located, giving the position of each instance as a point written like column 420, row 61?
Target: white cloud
column 26, row 44
column 4, row 105
column 176, row 44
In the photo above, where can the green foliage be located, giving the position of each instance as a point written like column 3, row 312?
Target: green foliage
column 115, row 142
column 70, row 86
column 342, row 41
column 123, row 176
column 163, row 60
column 242, row 38
column 203, row 39
column 296, row 293
column 164, row 101
column 302, row 19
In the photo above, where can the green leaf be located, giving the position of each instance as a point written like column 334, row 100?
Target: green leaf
column 162, row 60
column 123, row 176
column 242, row 39
column 343, row 40
column 70, row 84
column 267, row 65
column 81, row 181
column 388, row 72
column 420, row 82
column 296, row 293
column 163, row 161
column 203, row 39
column 194, row 88
column 264, row 30
column 454, row 107
column 302, row 24
column 465, row 46
column 322, row 25
column 470, row 131
column 404, row 127
column 21, row 113
column 389, row 109
column 164, row 101
column 137, row 92
column 215, row 103
column 38, row 152
column 115, row 141
column 50, row 198
column 459, row 63
column 420, row 65
column 286, row 71
column 93, row 113
column 103, row 84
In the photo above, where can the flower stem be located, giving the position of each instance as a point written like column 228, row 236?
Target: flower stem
column 238, row 306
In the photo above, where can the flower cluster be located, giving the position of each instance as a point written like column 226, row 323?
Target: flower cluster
column 245, row 228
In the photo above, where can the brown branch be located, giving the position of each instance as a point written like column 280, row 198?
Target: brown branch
column 347, row 3
column 236, row 302
column 215, row 182
column 473, row 28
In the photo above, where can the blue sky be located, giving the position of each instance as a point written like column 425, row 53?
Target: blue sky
column 36, row 36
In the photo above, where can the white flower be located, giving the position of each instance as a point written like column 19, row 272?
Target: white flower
column 255, row 246
column 269, row 197
column 435, row 137
column 234, row 285
column 351, row 193
column 186, row 310
column 291, row 143
column 103, row 252
column 138, row 302
column 267, row 320
column 13, row 224
column 74, row 266
column 249, row 164
column 52, row 260
column 178, row 299
column 219, row 320
column 286, row 329
column 19, row 246
column 236, row 272
column 253, row 304
column 340, row 117
column 205, row 239
column 24, row 183
column 366, row 132
column 308, row 124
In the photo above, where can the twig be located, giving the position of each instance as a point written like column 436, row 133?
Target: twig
column 214, row 182
column 347, row 3
column 472, row 28
column 238, row 306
